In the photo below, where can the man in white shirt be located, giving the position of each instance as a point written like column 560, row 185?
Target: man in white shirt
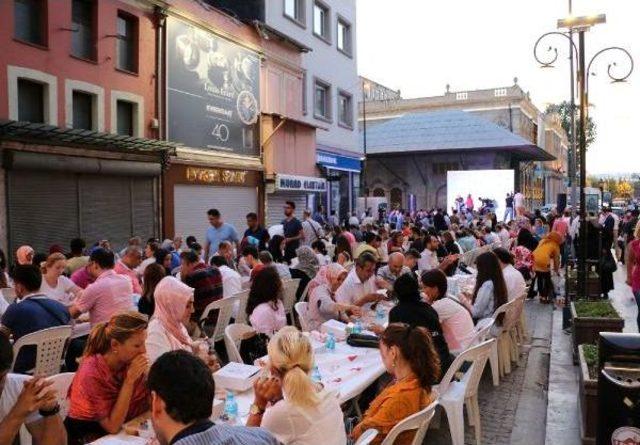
column 518, row 202
column 231, row 280
column 512, row 277
column 311, row 229
column 360, row 287
column 429, row 256
column 29, row 401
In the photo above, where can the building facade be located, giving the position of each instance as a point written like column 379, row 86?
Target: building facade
column 327, row 31
column 510, row 108
column 78, row 123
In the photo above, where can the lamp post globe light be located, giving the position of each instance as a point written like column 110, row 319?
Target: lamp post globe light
column 580, row 25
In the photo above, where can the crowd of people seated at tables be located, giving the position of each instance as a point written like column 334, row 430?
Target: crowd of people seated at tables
column 146, row 350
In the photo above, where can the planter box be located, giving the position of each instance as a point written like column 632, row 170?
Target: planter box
column 587, row 402
column 586, row 329
column 593, row 286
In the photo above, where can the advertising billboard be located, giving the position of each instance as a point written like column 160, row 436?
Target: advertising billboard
column 213, row 90
column 490, row 185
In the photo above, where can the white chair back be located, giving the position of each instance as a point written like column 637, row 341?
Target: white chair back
column 497, row 327
column 482, row 331
column 243, row 297
column 224, row 306
column 305, row 293
column 301, row 311
column 61, row 383
column 367, row 437
column 50, row 346
column 418, row 422
column 9, row 294
column 289, row 289
column 513, row 312
column 477, row 356
column 232, row 336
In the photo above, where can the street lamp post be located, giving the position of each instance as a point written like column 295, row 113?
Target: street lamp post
column 365, row 88
column 581, row 25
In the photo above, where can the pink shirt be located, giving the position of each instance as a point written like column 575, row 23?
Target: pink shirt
column 456, row 322
column 109, row 294
column 635, row 274
column 560, row 226
column 267, row 321
column 82, row 278
column 122, row 269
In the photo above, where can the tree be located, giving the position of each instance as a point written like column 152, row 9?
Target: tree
column 624, row 190
column 563, row 110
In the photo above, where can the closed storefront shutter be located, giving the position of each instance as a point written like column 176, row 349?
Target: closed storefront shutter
column 275, row 206
column 191, row 203
column 106, row 209
column 43, row 209
column 144, row 214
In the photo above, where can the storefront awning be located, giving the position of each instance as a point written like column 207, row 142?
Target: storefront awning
column 52, row 135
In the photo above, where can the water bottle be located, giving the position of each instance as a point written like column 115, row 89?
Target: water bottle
column 330, row 344
column 230, row 408
column 315, row 374
column 357, row 327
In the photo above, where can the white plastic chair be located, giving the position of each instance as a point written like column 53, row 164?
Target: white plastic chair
column 483, row 333
column 232, row 336
column 454, row 395
column 9, row 294
column 301, row 308
column 305, row 293
column 61, row 383
column 224, row 306
column 501, row 333
column 418, row 422
column 367, row 437
column 50, row 346
column 241, row 314
column 289, row 288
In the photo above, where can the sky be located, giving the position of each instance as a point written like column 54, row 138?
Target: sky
column 420, row 46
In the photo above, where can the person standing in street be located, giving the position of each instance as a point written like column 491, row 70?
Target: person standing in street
column 319, row 216
column 633, row 268
column 311, row 228
column 256, row 231
column 218, row 232
column 508, row 211
column 518, row 202
column 293, row 231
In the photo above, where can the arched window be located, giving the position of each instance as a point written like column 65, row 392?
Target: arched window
column 396, row 197
column 378, row 192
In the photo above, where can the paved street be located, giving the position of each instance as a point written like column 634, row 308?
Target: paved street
column 515, row 411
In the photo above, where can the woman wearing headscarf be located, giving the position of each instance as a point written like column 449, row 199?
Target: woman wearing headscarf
column 322, row 303
column 547, row 251
column 167, row 329
column 276, row 248
column 306, row 269
column 24, row 255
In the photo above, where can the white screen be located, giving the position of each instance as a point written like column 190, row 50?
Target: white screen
column 491, row 184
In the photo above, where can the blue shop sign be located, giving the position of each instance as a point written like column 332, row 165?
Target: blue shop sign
column 337, row 162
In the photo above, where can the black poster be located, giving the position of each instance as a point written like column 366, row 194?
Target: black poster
column 213, row 91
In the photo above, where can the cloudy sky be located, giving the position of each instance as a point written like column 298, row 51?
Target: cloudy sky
column 419, row 46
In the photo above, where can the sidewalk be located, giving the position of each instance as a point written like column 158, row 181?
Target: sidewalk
column 515, row 411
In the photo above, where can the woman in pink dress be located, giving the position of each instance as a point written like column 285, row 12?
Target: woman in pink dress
column 633, row 268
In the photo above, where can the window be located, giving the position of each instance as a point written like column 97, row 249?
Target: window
column 344, row 37
column 462, row 96
column 31, row 96
column 294, row 10
column 321, row 23
column 127, row 43
column 345, row 110
column 82, row 38
column 322, row 104
column 83, row 110
column 125, row 112
column 500, row 92
column 29, row 21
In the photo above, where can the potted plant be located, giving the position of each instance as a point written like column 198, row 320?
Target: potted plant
column 588, row 392
column 593, row 283
column 589, row 318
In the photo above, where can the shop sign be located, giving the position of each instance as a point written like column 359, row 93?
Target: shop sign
column 212, row 91
column 337, row 162
column 215, row 175
column 300, row 183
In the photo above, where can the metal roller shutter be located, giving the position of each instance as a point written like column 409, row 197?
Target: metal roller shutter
column 144, row 220
column 43, row 209
column 191, row 203
column 275, row 204
column 106, row 209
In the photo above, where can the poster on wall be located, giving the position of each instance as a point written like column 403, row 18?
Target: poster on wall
column 213, row 89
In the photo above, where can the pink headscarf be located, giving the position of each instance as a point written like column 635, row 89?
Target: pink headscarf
column 327, row 275
column 22, row 255
column 171, row 297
